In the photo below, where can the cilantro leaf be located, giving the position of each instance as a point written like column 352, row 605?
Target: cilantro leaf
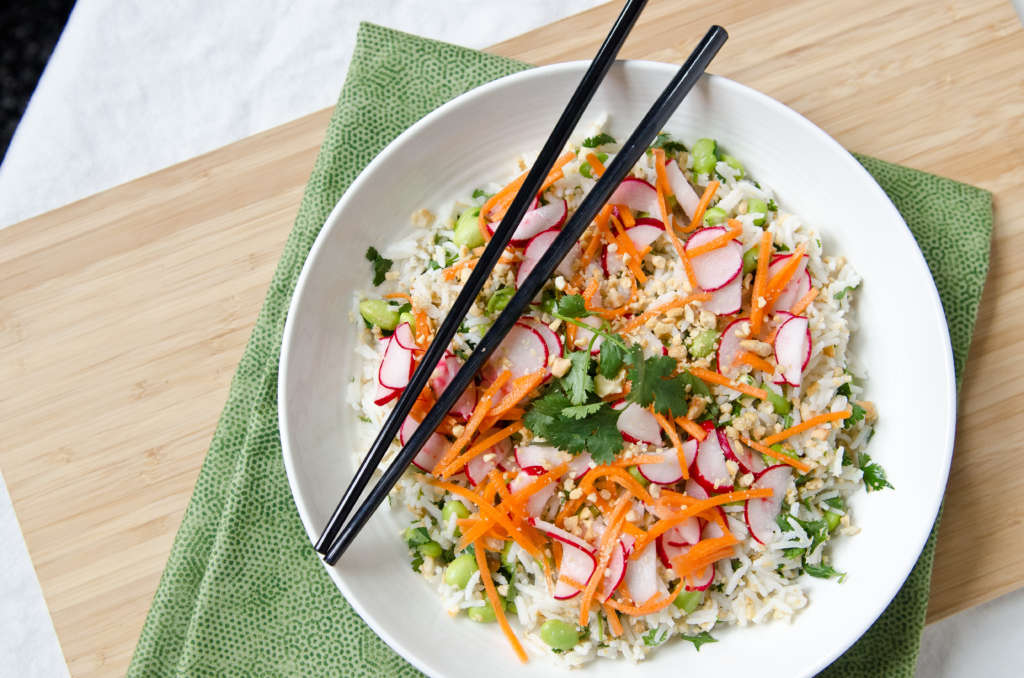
column 858, row 413
column 577, row 383
column 772, row 207
column 380, row 265
column 572, row 306
column 844, row 390
column 555, row 419
column 480, row 193
column 823, row 571
column 874, row 474
column 699, row 639
column 664, row 140
column 610, row 361
column 654, row 637
column 652, row 383
column 598, row 140
column 581, row 411
column 416, row 536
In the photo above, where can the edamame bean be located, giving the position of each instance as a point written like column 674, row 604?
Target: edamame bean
column 704, row 157
column 715, row 216
column 688, row 601
column 459, row 571
column 703, row 344
column 508, row 561
column 467, row 229
column 455, row 507
column 832, row 520
column 499, row 300
column 559, row 635
column 735, row 164
column 635, row 472
column 407, row 317
column 781, row 404
column 750, row 260
column 757, row 206
column 379, row 313
column 431, row 548
column 483, row 614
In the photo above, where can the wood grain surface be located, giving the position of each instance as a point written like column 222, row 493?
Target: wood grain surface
column 122, row 316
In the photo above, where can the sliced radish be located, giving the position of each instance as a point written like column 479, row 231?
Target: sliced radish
column 719, row 267
column 642, row 575
column 523, row 351
column 702, row 581
column 581, row 561
column 681, row 188
column 798, row 286
column 727, row 300
column 792, row 350
column 695, row 490
column 580, row 464
column 709, row 467
column 538, row 218
column 761, row 513
column 550, row 337
column 442, row 376
column 403, row 335
column 395, row 366
column 734, row 450
column 536, row 459
column 637, row 195
column 685, row 533
column 615, row 572
column 431, row 452
column 539, row 499
column 729, row 346
column 637, row 424
column 536, row 248
column 644, row 234
column 383, row 395
column 482, row 464
column 669, row 552
column 666, row 472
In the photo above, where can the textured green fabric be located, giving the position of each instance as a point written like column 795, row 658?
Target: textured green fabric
column 243, row 593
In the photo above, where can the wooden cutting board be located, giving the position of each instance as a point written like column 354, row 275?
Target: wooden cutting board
column 122, row 316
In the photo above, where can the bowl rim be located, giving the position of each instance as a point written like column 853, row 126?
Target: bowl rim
column 919, row 536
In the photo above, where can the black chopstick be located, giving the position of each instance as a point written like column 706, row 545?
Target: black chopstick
column 628, row 155
column 478, row 277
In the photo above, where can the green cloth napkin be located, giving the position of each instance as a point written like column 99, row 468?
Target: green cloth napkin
column 243, row 593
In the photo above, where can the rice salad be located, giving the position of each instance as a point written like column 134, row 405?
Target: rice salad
column 665, row 443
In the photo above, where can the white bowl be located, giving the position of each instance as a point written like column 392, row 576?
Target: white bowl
column 902, row 340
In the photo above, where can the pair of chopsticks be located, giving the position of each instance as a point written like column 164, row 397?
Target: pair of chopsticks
column 339, row 534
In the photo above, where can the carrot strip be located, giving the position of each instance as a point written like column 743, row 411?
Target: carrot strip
column 702, row 554
column 649, row 607
column 735, row 229
column 627, row 216
column 398, row 295
column 521, row 387
column 627, row 247
column 716, row 378
column 479, row 448
column 678, row 302
column 692, row 427
column 755, row 361
column 503, row 198
column 640, row 459
column 596, row 166
column 487, row 511
column 670, row 431
column 514, row 503
column 779, row 281
column 613, row 620
column 483, row 406
column 665, row 524
column 618, row 476
column 702, row 206
column 450, row 272
column 784, row 458
column 803, row 426
column 608, row 541
column 492, row 595
column 422, row 329
column 804, row 301
column 757, row 302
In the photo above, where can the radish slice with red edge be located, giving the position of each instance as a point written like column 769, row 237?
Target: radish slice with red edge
column 798, row 286
column 685, row 533
column 644, row 234
column 709, row 467
column 637, row 195
column 727, row 300
column 642, row 575
column 669, row 552
column 735, row 451
column 384, row 395
column 792, row 350
column 578, row 561
column 668, row 472
column 719, row 267
column 537, row 459
column 637, row 424
column 761, row 513
column 403, row 335
column 552, row 341
column 681, row 188
column 522, row 352
column 431, row 452
column 497, row 456
column 729, row 346
column 464, row 406
column 614, row 573
column 695, row 490
column 540, row 219
column 703, row 580
column 395, row 366
column 536, row 248
column 538, row 500
column 580, row 464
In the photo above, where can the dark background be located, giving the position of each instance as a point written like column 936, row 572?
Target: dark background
column 29, row 29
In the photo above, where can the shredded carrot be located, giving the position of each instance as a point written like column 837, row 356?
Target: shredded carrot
column 422, row 329
column 483, row 406
column 501, row 200
column 492, row 595
column 589, row 291
column 678, row 302
column 626, row 247
column 613, row 620
column 702, row 554
column 665, row 524
column 488, row 512
column 755, row 361
column 481, row 446
column 803, row 426
column 611, row 313
column 735, row 229
column 627, row 216
column 692, row 427
column 716, row 378
column 784, row 458
column 650, row 607
column 640, row 459
column 805, row 301
column 757, row 303
column 779, row 281
column 450, row 272
column 670, row 431
column 521, row 387
column 618, row 476
column 662, row 187
column 608, row 542
column 596, row 166
column 514, row 502
column 702, row 206
column 398, row 295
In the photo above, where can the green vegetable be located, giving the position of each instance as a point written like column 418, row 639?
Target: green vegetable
column 750, row 260
column 714, row 216
column 507, row 560
column 756, row 205
column 467, row 229
column 874, row 475
column 559, row 635
column 415, row 536
column 823, row 571
column 735, row 164
column 577, row 382
column 380, row 265
column 665, row 141
column 780, row 403
column 453, row 507
column 581, row 411
column 699, row 639
column 598, row 140
column 635, row 472
column 459, row 571
column 499, row 300
column 832, row 520
column 857, row 414
column 571, row 306
column 480, row 193
column 431, row 548
column 407, row 317
column 704, row 156
column 585, row 168
column 609, row 362
column 652, row 382
column 380, row 313
column 772, row 207
column 483, row 614
column 654, row 637
column 703, row 344
column 595, row 432
column 688, row 601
